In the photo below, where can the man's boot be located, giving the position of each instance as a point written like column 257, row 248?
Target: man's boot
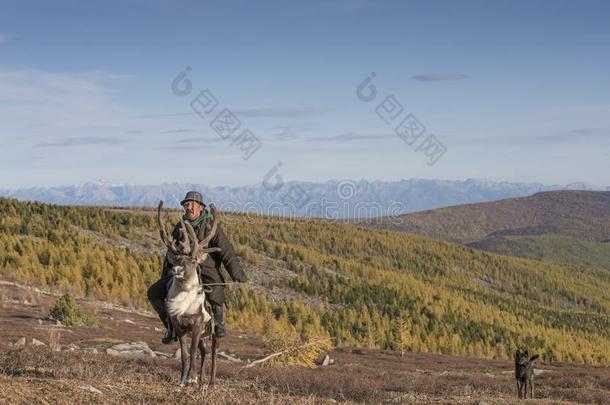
column 219, row 324
column 170, row 333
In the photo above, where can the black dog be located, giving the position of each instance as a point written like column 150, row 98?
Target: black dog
column 524, row 373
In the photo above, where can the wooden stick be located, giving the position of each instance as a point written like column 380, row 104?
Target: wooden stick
column 264, row 359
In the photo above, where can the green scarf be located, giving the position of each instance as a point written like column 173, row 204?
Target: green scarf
column 196, row 224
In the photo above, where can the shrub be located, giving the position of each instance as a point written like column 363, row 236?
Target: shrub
column 67, row 311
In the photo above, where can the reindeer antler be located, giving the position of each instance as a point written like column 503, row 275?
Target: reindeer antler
column 192, row 238
column 200, row 247
column 163, row 231
column 212, row 232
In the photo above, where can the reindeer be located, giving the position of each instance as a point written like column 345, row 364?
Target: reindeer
column 186, row 300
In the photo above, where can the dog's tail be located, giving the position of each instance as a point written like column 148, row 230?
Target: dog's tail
column 533, row 358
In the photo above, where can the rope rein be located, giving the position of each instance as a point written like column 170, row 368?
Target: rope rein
column 203, row 289
column 214, row 284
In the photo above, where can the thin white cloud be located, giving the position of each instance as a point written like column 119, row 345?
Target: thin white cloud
column 82, row 141
column 351, row 137
column 198, row 140
column 177, row 131
column 51, row 103
column 287, row 132
column 439, row 77
column 577, row 135
column 278, row 112
column 284, row 135
column 165, row 115
column 255, row 112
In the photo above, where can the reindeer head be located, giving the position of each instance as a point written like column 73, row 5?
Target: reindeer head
column 186, row 253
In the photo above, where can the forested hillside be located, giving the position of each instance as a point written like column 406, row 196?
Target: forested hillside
column 362, row 287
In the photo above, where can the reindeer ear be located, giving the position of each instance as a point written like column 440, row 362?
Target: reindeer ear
column 183, row 246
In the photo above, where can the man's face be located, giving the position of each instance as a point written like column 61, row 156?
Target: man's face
column 193, row 209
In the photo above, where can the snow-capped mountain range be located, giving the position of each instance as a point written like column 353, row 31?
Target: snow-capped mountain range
column 333, row 199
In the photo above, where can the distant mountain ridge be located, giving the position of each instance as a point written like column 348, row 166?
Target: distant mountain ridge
column 334, row 199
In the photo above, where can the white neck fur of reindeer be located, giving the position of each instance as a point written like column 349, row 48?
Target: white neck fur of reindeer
column 184, row 297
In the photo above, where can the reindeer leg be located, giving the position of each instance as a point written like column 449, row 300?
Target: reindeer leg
column 202, row 353
column 193, row 359
column 182, row 361
column 213, row 368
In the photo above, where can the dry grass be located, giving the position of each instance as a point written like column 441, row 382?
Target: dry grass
column 42, row 375
column 59, row 377
column 335, row 384
column 62, row 378
column 54, row 339
column 30, row 372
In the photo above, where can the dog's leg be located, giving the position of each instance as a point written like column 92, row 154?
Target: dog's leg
column 202, row 353
column 522, row 389
column 182, row 361
column 518, row 389
column 213, row 365
column 532, row 387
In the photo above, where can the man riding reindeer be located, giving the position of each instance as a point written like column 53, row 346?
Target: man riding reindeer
column 209, row 270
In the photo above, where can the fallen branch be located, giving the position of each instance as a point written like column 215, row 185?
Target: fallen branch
column 321, row 343
column 229, row 357
column 264, row 359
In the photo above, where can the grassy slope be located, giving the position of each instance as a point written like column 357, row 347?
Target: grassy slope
column 566, row 226
column 551, row 247
column 580, row 214
column 449, row 298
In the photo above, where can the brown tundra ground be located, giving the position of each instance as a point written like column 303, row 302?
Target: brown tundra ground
column 37, row 374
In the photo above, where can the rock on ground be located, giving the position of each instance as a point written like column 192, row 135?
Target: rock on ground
column 36, row 342
column 324, row 360
column 20, row 342
column 131, row 350
column 90, row 388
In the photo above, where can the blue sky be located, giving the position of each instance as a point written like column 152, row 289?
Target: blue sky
column 515, row 91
